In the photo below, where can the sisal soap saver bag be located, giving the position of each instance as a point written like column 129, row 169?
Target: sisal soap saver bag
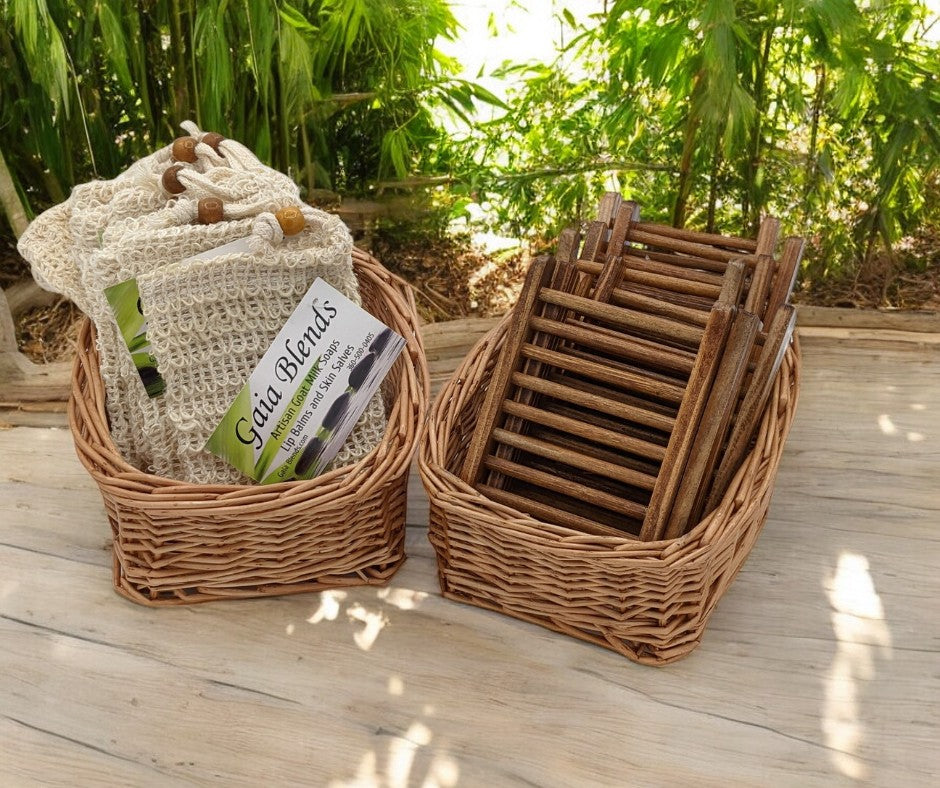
column 59, row 242
column 147, row 218
column 211, row 320
column 134, row 244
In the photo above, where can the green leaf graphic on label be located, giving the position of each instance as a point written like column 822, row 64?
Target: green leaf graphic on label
column 234, row 438
column 124, row 299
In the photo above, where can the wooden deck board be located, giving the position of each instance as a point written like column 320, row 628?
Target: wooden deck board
column 819, row 666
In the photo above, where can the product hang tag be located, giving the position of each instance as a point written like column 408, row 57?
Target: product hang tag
column 124, row 299
column 309, row 389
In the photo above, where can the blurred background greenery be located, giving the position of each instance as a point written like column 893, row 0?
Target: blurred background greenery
column 710, row 113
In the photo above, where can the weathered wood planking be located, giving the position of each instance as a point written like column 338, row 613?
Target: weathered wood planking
column 795, row 683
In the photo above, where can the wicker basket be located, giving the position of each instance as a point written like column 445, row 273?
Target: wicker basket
column 178, row 543
column 650, row 601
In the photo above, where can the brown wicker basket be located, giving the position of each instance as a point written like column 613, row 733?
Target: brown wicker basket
column 650, row 601
column 178, row 543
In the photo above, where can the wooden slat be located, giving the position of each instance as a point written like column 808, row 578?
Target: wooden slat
column 711, row 239
column 759, row 289
column 755, row 399
column 647, row 467
column 732, row 284
column 767, row 235
column 608, row 207
column 603, row 435
column 539, row 272
column 616, row 364
column 667, row 278
column 690, row 263
column 551, row 514
column 654, row 439
column 670, row 265
column 568, row 392
column 624, row 318
column 575, row 458
column 656, row 306
column 567, row 486
column 652, row 405
column 631, row 381
column 567, row 248
column 593, row 239
column 713, row 427
column 673, row 284
column 563, row 277
column 785, row 279
column 690, row 412
column 711, row 257
column 615, row 342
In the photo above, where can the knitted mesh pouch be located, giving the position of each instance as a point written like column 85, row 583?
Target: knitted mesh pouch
column 133, row 245
column 211, row 321
column 129, row 227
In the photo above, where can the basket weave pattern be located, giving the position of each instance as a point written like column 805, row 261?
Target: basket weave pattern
column 178, row 543
column 649, row 601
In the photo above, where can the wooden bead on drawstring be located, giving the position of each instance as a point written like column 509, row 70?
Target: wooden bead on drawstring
column 290, row 219
column 184, row 149
column 210, row 210
column 170, row 180
column 212, row 139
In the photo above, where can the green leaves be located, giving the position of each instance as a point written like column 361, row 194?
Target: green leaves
column 713, row 113
column 87, row 86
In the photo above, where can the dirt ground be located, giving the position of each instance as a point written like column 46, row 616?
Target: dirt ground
column 452, row 279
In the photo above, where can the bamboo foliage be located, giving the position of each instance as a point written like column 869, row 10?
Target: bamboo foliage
column 337, row 92
column 714, row 113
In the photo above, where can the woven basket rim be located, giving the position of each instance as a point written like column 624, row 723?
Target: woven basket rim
column 561, row 540
column 400, row 439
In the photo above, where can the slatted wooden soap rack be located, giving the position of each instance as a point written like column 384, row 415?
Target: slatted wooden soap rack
column 636, row 367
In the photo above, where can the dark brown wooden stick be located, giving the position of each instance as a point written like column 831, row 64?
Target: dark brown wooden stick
column 628, row 380
column 656, row 306
column 673, row 284
column 608, row 436
column 639, row 260
column 690, row 413
column 625, row 318
column 562, row 278
column 618, row 364
column 710, row 239
column 551, row 514
column 711, row 432
column 782, row 286
column 596, row 401
column 733, row 284
column 567, row 248
column 595, row 236
column 645, row 443
column 700, row 303
column 710, row 258
column 608, row 207
column 759, row 289
column 610, row 274
column 755, row 400
column 646, row 467
column 654, row 406
column 566, row 486
column 517, row 335
column 575, row 459
column 767, row 235
column 614, row 342
column 635, row 272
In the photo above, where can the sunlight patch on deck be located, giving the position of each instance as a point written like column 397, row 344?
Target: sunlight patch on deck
column 861, row 632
